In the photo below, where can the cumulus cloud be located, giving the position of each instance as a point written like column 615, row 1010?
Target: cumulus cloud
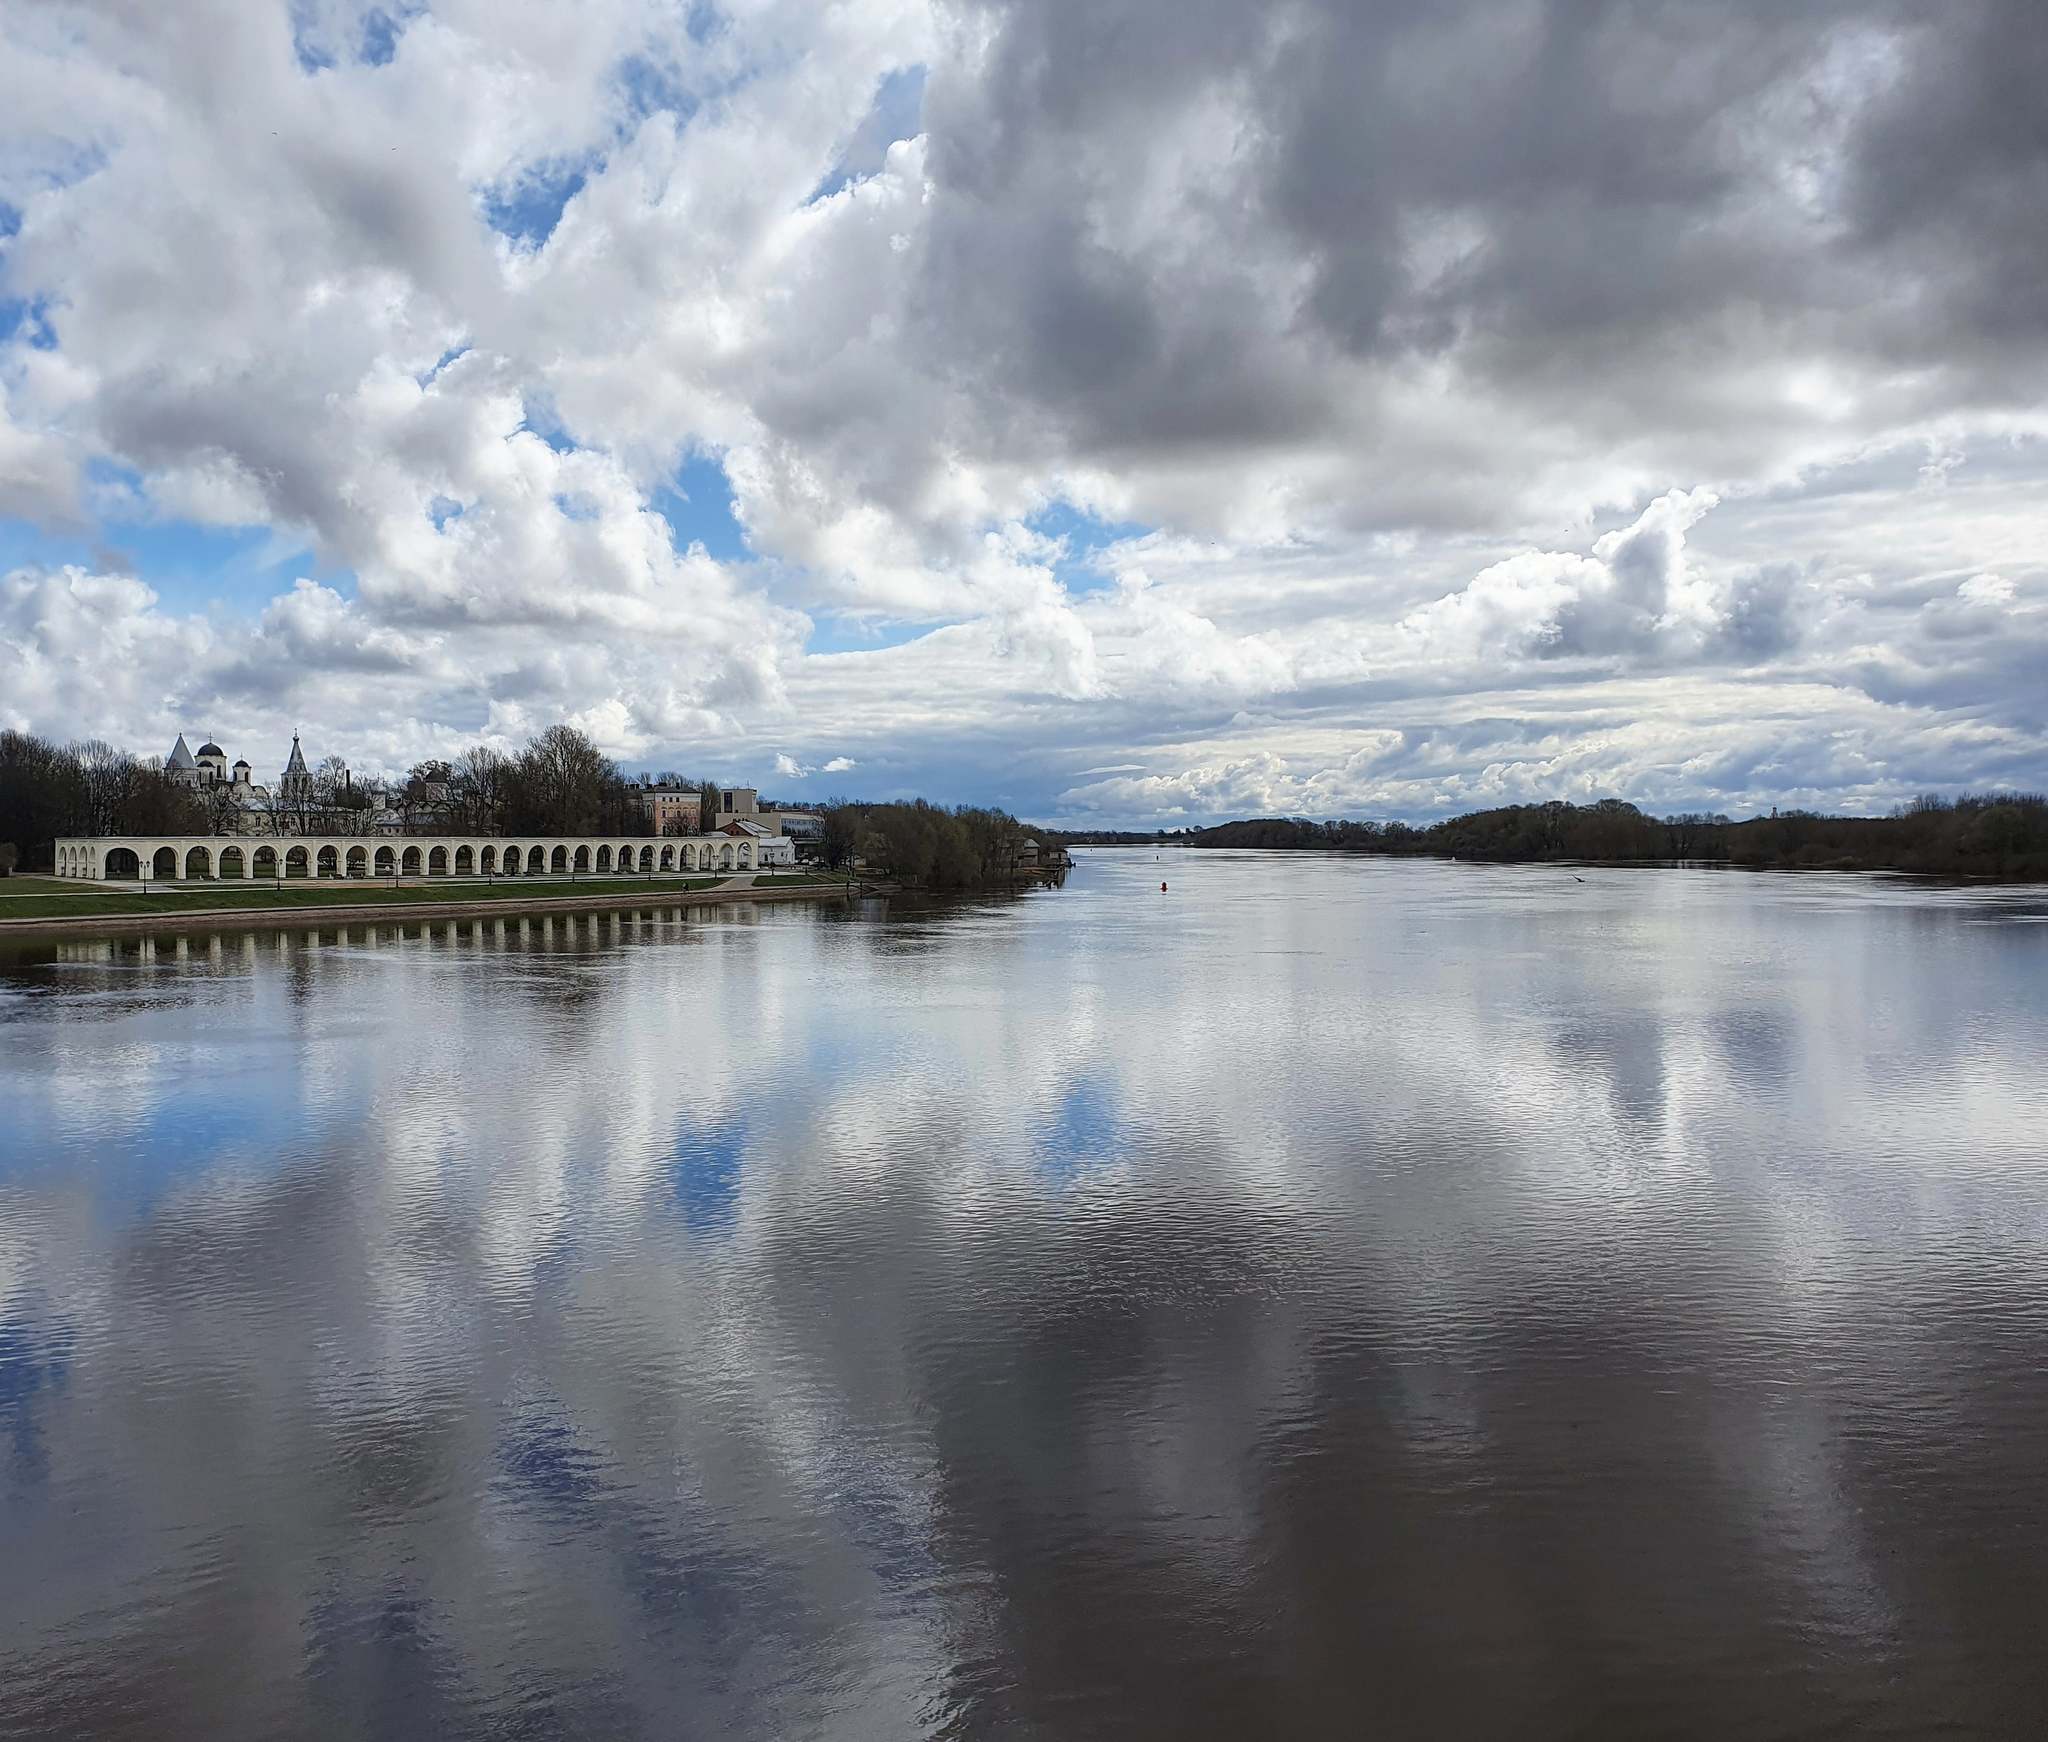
column 1635, row 597
column 1484, row 355
column 787, row 767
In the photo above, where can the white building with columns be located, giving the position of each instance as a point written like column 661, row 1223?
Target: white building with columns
column 233, row 858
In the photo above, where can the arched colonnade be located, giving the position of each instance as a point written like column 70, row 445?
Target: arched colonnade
column 234, row 858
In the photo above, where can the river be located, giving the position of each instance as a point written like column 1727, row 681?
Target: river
column 1320, row 1298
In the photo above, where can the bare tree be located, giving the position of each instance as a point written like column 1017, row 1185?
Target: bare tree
column 223, row 809
column 105, row 776
column 342, row 807
column 565, row 785
column 482, row 788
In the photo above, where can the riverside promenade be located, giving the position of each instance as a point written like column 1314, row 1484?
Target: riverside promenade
column 331, row 906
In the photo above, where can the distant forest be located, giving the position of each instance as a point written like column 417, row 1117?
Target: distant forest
column 2002, row 835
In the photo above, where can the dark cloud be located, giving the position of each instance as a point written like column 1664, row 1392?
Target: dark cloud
column 1157, row 223
column 1949, row 177
column 1762, row 617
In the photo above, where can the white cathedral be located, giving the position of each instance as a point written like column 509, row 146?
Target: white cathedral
column 209, row 771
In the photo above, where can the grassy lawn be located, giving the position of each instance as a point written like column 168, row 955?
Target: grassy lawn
column 48, row 902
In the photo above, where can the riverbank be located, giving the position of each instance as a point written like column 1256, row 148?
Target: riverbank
column 1983, row 837
column 100, row 911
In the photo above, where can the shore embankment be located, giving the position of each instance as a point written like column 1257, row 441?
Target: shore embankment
column 192, row 908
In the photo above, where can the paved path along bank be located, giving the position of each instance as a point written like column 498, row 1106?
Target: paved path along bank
column 314, row 916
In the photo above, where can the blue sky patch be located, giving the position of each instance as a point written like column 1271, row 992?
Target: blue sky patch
column 1084, row 535
column 697, row 504
column 27, row 319
column 650, row 88
column 311, row 54
column 528, row 210
column 896, row 113
column 452, row 354
column 544, row 421
column 704, row 21
column 850, row 632
column 381, row 31
column 189, row 566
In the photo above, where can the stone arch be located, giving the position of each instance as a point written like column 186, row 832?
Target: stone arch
column 509, row 864
column 646, row 858
column 604, row 857
column 359, row 861
column 465, row 860
column 668, row 858
column 385, row 862
column 746, row 855
column 232, row 864
column 411, row 862
column 437, row 861
column 725, row 857
column 582, row 856
column 198, row 863
column 487, row 860
column 123, row 862
column 295, row 861
column 263, row 862
column 165, row 864
column 559, row 859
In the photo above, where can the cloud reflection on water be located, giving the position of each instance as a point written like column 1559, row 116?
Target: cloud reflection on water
column 1444, row 1292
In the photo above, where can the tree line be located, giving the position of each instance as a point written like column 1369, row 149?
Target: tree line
column 560, row 783
column 1977, row 834
column 924, row 845
column 90, row 788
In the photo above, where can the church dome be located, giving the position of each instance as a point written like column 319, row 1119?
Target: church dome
column 210, row 748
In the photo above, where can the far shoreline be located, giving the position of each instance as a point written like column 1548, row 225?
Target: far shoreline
column 1732, row 867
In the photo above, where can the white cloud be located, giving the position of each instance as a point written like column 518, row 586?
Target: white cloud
column 1433, row 398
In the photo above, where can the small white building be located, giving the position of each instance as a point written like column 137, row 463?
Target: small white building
column 771, row 849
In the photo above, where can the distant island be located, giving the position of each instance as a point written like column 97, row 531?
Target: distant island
column 1992, row 835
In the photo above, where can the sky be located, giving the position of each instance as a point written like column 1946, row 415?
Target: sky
column 1122, row 411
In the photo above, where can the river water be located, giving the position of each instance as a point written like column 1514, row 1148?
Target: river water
column 1320, row 1299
